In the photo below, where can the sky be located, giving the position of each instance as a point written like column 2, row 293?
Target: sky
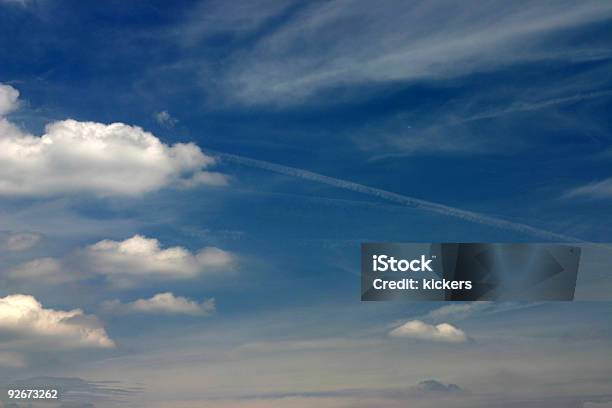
column 184, row 189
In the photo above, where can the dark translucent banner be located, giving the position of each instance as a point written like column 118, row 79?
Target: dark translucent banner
column 482, row 271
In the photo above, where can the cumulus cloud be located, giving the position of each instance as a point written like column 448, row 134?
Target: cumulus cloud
column 597, row 190
column 24, row 317
column 127, row 262
column 164, row 303
column 41, row 270
column 18, row 241
column 104, row 159
column 416, row 329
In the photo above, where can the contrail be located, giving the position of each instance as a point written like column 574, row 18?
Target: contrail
column 416, row 203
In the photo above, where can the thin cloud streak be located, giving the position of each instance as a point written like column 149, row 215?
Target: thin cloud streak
column 533, row 106
column 407, row 201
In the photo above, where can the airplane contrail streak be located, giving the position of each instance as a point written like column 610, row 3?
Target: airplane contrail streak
column 407, row 201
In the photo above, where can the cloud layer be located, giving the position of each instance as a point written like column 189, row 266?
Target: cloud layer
column 164, row 303
column 113, row 159
column 416, row 329
column 127, row 262
column 329, row 45
column 24, row 317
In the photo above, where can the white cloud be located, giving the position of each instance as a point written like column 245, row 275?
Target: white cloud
column 18, row 241
column 9, row 99
column 128, row 262
column 164, row 118
column 114, row 159
column 419, row 330
column 331, row 44
column 596, row 190
column 216, row 17
column 23, row 316
column 40, row 270
column 164, row 303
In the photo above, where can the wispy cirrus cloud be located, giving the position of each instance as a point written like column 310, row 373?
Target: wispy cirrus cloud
column 595, row 190
column 396, row 42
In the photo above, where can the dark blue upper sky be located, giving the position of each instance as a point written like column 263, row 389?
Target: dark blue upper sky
column 502, row 112
column 507, row 127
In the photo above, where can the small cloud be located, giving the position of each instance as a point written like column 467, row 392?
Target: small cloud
column 35, row 326
column 164, row 118
column 127, row 262
column 416, row 329
column 23, row 241
column 207, row 178
column 164, row 303
column 18, row 241
column 41, row 270
column 437, row 387
column 596, row 190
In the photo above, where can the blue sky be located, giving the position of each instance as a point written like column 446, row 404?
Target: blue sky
column 213, row 186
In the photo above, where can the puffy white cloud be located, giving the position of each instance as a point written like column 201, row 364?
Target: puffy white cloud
column 23, row 316
column 9, row 99
column 113, row 159
column 419, row 330
column 127, row 262
column 18, row 241
column 164, row 303
column 40, row 270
